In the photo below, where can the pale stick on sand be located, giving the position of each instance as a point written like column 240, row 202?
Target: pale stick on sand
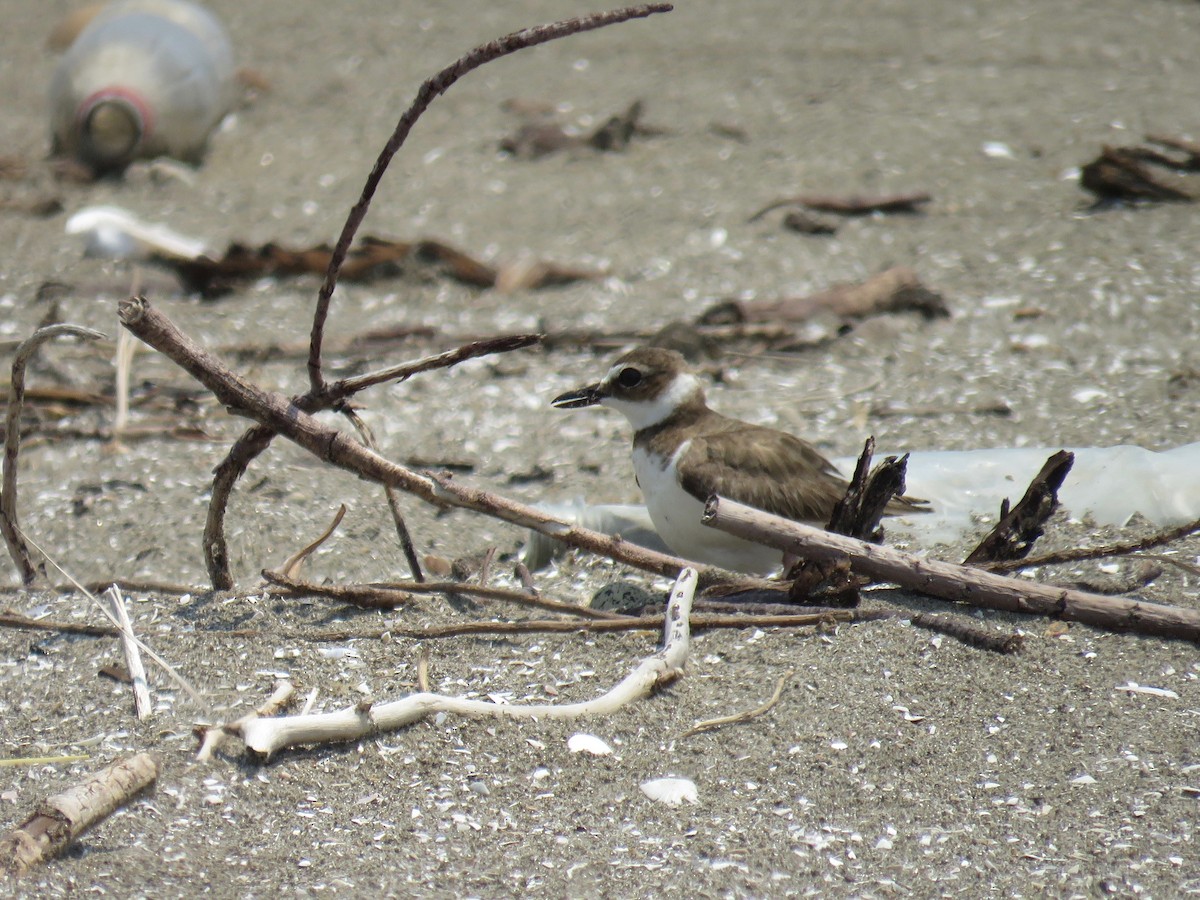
column 62, row 818
column 267, row 736
column 142, row 703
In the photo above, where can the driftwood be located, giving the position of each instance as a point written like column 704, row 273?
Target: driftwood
column 1123, row 174
column 1019, row 527
column 278, row 415
column 268, row 736
column 961, row 584
column 64, row 817
column 213, row 738
column 17, row 546
column 895, row 290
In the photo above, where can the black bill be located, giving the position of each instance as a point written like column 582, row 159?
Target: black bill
column 586, row 396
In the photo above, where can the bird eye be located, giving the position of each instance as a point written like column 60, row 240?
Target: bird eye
column 629, row 377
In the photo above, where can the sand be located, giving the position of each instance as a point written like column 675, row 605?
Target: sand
column 896, row 762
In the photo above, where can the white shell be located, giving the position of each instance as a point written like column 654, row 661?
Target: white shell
column 588, row 743
column 671, row 791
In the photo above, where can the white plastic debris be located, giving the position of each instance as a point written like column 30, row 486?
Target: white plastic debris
column 671, row 791
column 111, row 232
column 588, row 743
column 1134, row 688
column 997, row 150
column 1110, row 484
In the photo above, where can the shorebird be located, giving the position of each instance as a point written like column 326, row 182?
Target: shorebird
column 684, row 452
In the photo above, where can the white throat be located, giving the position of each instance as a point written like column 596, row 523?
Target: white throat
column 644, row 413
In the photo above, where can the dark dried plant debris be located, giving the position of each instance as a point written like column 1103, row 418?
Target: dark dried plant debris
column 895, row 290
column 803, row 223
column 1125, row 174
column 541, row 134
column 1019, row 527
column 371, row 259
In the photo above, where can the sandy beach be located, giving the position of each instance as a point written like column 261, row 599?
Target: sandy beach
column 897, row 762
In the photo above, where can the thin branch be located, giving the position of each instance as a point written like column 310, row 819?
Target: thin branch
column 1081, row 554
column 9, row 619
column 432, row 88
column 390, row 596
column 737, row 718
column 17, row 546
column 292, row 565
column 393, row 499
column 347, row 387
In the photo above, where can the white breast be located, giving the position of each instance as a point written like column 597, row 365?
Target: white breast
column 676, row 515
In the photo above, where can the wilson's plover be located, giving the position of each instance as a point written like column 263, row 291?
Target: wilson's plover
column 684, row 452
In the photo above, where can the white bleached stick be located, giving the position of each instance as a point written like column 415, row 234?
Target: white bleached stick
column 214, row 736
column 133, row 656
column 267, row 736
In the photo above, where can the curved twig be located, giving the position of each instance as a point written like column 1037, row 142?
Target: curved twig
column 439, row 84
column 256, row 439
column 247, row 448
column 17, row 547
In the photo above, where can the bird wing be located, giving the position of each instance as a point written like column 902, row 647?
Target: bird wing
column 764, row 468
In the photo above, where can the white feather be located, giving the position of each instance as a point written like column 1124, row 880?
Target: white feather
column 644, row 413
column 676, row 516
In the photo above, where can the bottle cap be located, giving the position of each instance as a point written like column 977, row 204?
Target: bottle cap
column 112, row 123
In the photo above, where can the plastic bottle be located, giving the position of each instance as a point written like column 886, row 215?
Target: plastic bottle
column 144, row 78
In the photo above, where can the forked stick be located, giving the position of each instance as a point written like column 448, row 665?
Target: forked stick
column 439, row 84
column 268, row 736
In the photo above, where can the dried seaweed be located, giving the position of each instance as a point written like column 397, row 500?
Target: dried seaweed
column 371, row 259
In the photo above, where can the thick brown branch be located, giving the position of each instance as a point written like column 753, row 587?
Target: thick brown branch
column 962, row 584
